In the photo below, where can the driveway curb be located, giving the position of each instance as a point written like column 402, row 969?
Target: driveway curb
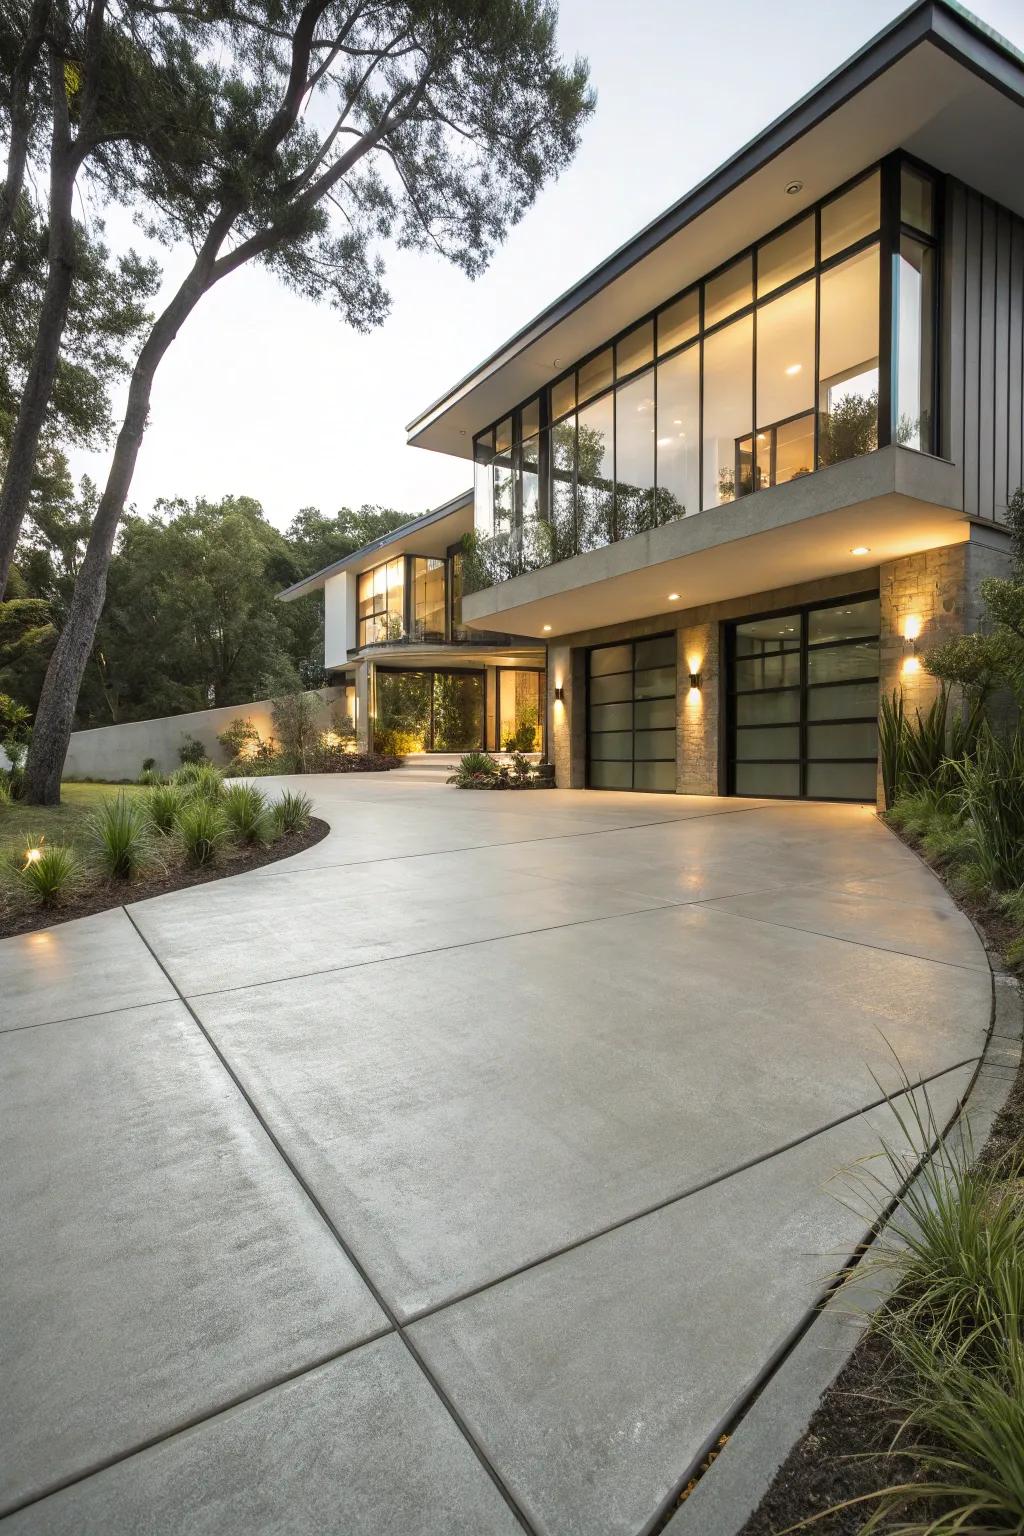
column 733, row 1487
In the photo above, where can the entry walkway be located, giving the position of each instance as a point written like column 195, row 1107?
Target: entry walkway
column 459, row 1175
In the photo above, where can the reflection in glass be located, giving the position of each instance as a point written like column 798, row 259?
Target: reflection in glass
column 563, row 396
column 785, row 356
column 403, row 708
column 793, row 443
column 915, row 373
column 728, row 366
column 848, row 359
column 678, row 434
column 634, row 457
column 785, row 257
column 428, row 599
column 563, row 496
column 380, row 600
column 635, row 350
column 595, row 470
column 595, row 375
column 848, row 621
column 729, row 291
column 851, row 217
column 679, row 322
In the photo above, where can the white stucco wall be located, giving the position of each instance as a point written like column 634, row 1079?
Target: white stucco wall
column 339, row 618
column 118, row 751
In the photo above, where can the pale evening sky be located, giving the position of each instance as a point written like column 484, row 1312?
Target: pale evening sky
column 268, row 395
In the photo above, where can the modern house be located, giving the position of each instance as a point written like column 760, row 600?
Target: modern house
column 417, row 679
column 748, row 467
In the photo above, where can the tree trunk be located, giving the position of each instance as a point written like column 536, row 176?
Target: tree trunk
column 53, row 316
column 59, row 698
column 21, row 117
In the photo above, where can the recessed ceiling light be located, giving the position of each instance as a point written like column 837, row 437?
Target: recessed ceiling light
column 793, row 187
column 547, row 629
column 673, row 597
column 861, row 549
column 794, row 368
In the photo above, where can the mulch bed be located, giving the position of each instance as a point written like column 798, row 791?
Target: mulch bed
column 853, row 1419
column 100, row 898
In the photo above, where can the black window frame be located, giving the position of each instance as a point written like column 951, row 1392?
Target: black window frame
column 886, row 237
column 802, row 688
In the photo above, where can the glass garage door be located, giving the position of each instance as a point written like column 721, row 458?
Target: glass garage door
column 803, row 703
column 631, row 715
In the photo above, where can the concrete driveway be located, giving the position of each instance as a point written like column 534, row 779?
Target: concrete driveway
column 459, row 1175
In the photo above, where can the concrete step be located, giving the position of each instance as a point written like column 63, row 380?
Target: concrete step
column 435, row 767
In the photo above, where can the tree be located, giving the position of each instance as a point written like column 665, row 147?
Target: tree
column 121, row 88
column 980, row 663
column 445, row 119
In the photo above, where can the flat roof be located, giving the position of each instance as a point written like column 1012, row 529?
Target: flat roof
column 360, row 557
column 937, row 82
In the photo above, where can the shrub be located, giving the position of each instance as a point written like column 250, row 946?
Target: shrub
column 191, row 750
column 295, row 721
column 991, row 793
column 245, row 808
column 291, row 813
column 148, row 763
column 47, row 875
column 522, row 768
column 161, row 807
column 201, row 830
column 524, row 737
column 240, row 738
column 150, row 776
column 268, row 761
column 199, row 779
column 119, row 837
column 5, row 792
column 391, row 741
column 476, row 770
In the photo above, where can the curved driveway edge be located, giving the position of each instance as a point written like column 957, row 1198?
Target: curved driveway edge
column 461, row 1172
column 774, row 1423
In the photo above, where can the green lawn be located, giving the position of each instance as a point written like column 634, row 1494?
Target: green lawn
column 59, row 824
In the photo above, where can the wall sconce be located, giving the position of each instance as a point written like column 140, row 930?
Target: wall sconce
column 559, row 693
column 694, row 679
column 911, row 632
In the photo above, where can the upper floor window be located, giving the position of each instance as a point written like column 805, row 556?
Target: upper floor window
column 777, row 364
column 381, row 603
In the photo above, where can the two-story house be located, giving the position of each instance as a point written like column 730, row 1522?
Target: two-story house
column 740, row 475
column 415, row 676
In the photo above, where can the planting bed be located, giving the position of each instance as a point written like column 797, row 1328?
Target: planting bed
column 116, row 893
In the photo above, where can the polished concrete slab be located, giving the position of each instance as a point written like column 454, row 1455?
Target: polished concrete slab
column 549, row 1083
column 359, row 1447
column 91, row 965
column 466, row 1112
column 593, row 1381
column 159, row 1258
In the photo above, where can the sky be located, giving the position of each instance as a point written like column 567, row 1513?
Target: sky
column 268, row 395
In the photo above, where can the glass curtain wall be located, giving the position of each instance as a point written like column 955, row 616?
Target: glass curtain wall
column 428, row 599
column 429, row 711
column 676, row 416
column 520, row 710
column 380, row 599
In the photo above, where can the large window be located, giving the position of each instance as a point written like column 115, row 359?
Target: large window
column 520, row 710
column 429, row 711
column 777, row 364
column 381, row 603
column 631, row 715
column 427, row 599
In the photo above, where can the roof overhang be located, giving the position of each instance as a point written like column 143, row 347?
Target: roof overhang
column 893, row 503
column 430, row 535
column 937, row 83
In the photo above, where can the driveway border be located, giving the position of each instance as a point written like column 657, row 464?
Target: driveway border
column 776, row 1410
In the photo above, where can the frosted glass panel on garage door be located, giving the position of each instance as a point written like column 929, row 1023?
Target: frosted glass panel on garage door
column 631, row 715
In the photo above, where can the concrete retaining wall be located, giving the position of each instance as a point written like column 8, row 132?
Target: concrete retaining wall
column 118, row 751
